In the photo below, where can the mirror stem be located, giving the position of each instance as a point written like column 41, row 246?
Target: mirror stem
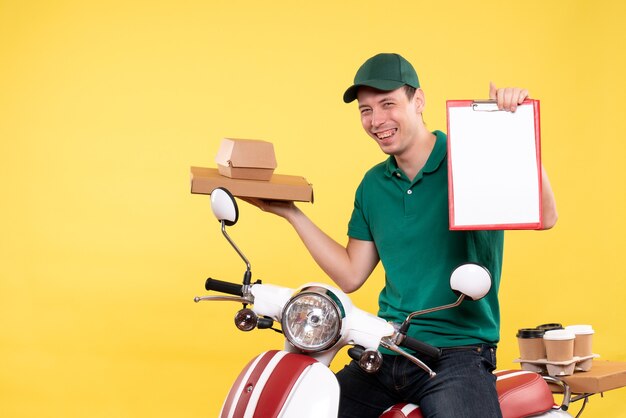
column 248, row 274
column 407, row 322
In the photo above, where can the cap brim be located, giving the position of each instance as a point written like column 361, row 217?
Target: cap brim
column 384, row 85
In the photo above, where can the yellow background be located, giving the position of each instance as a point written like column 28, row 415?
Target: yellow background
column 105, row 105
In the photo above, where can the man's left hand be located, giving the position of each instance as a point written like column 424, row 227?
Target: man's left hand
column 507, row 98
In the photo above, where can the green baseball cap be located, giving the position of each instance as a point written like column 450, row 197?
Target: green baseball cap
column 383, row 72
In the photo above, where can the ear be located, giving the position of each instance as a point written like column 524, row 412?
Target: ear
column 420, row 100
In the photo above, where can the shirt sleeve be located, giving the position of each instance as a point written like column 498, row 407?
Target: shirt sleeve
column 358, row 226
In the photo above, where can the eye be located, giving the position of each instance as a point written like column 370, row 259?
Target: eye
column 365, row 111
column 387, row 105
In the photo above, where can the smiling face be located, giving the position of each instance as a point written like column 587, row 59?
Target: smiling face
column 392, row 119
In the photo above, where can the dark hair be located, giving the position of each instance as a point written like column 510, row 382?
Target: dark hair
column 409, row 91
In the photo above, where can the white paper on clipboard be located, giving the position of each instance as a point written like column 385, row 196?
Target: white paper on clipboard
column 494, row 166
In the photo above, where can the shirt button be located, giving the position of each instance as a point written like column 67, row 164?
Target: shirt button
column 398, row 175
column 409, row 191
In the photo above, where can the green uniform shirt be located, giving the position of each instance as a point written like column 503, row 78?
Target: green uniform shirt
column 408, row 222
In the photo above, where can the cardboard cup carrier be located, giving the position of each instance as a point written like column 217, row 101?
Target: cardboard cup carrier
column 557, row 350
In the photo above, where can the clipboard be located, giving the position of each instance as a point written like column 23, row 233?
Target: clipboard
column 494, row 165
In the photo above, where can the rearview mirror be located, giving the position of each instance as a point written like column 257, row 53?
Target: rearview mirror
column 224, row 206
column 471, row 280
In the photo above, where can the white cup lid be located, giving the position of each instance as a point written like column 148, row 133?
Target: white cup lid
column 580, row 329
column 559, row 334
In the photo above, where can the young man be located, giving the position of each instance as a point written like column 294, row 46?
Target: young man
column 400, row 218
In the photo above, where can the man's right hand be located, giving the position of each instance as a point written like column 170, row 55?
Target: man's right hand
column 281, row 208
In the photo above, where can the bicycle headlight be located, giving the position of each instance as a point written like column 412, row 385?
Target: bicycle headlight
column 311, row 320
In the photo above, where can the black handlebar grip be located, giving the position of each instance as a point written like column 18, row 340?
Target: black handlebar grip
column 224, row 287
column 421, row 347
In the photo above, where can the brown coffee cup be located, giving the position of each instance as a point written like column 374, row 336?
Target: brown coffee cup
column 530, row 341
column 559, row 345
column 584, row 337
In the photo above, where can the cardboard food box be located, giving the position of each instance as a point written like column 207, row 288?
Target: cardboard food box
column 279, row 187
column 249, row 159
column 603, row 376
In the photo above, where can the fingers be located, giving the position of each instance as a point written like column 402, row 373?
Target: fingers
column 277, row 207
column 259, row 203
column 507, row 98
column 253, row 201
column 523, row 96
column 262, row 204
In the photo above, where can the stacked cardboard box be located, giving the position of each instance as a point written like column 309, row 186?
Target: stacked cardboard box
column 246, row 168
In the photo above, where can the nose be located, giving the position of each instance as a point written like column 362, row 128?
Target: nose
column 378, row 118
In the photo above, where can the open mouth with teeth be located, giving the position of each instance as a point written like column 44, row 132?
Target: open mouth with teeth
column 386, row 134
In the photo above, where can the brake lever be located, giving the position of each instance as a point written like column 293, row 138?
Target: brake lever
column 240, row 299
column 388, row 343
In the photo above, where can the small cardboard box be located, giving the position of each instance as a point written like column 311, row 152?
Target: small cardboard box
column 249, row 159
column 603, row 376
column 279, row 187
